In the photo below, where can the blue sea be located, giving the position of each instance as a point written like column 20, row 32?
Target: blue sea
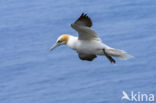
column 31, row 73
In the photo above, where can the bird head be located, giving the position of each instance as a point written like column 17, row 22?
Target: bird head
column 62, row 40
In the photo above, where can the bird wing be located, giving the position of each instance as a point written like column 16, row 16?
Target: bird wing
column 88, row 57
column 82, row 26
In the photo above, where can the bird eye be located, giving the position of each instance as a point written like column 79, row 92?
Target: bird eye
column 59, row 41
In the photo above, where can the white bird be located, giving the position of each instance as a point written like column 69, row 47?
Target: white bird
column 87, row 44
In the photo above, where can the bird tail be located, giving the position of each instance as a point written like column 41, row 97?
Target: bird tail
column 120, row 54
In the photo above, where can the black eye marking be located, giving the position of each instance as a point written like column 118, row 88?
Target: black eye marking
column 59, row 41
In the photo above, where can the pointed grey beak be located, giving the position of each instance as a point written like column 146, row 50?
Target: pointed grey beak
column 54, row 46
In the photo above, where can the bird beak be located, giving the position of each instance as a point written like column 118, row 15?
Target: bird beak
column 54, row 46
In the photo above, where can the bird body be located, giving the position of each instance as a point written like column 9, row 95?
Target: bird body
column 87, row 44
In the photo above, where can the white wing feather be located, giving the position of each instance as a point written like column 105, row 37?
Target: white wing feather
column 82, row 26
column 85, row 33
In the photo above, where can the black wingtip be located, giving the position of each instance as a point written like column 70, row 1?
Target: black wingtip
column 83, row 14
column 86, row 17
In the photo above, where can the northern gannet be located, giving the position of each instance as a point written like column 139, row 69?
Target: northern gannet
column 88, row 45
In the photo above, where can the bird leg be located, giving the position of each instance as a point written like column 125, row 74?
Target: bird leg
column 108, row 57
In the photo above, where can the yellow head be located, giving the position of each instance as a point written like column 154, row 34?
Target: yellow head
column 63, row 39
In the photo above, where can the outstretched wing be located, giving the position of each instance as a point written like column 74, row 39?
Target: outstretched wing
column 87, row 56
column 84, row 20
column 82, row 26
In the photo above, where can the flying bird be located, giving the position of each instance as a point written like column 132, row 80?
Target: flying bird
column 88, row 45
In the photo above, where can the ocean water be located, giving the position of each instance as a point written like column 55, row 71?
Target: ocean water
column 30, row 73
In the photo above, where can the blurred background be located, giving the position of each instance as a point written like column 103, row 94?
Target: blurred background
column 30, row 73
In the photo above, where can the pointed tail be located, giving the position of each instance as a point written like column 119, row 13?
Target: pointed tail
column 120, row 54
